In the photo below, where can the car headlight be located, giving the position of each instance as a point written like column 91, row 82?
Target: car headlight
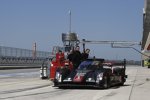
column 99, row 77
column 58, row 76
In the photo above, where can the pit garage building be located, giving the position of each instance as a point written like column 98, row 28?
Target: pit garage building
column 146, row 31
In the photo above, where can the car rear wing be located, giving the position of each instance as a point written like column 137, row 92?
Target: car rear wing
column 115, row 63
column 96, row 59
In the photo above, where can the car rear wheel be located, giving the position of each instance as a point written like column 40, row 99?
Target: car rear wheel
column 121, row 84
column 122, row 81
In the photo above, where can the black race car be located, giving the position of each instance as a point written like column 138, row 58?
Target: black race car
column 92, row 72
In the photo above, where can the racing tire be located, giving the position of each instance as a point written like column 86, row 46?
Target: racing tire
column 106, row 84
column 121, row 84
column 122, row 81
column 55, row 83
column 64, row 73
column 61, row 87
column 44, row 78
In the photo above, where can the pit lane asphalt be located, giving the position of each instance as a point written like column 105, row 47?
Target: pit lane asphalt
column 30, row 86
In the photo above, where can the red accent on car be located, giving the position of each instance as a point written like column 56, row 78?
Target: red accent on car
column 78, row 78
column 148, row 48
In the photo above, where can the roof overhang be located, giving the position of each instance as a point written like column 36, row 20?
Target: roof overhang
column 146, row 25
column 147, row 45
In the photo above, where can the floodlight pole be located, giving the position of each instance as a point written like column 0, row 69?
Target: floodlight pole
column 69, row 21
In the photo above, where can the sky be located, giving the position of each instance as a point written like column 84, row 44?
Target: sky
column 23, row 22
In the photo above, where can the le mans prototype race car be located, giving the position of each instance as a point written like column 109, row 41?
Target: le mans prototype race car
column 95, row 73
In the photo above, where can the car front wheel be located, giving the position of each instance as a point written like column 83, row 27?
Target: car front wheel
column 106, row 82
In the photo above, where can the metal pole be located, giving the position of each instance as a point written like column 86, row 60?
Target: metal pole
column 83, row 46
column 69, row 21
column 0, row 52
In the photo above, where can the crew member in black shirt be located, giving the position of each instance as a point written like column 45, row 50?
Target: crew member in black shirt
column 75, row 57
column 85, row 54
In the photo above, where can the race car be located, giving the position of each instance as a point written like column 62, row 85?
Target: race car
column 93, row 73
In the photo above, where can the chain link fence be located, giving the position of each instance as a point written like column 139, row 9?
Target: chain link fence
column 17, row 56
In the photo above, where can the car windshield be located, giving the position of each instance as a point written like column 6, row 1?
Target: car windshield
column 89, row 65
